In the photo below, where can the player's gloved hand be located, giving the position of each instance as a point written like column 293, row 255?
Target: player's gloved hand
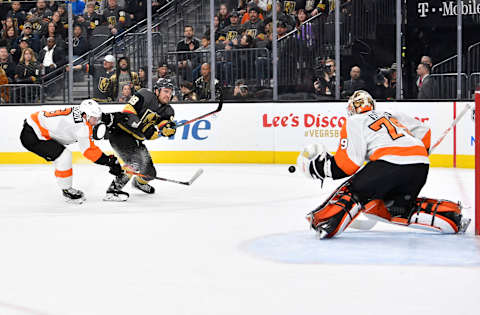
column 149, row 132
column 114, row 165
column 107, row 119
column 315, row 162
column 168, row 128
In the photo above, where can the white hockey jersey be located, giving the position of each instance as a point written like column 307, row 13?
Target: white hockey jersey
column 66, row 126
column 392, row 137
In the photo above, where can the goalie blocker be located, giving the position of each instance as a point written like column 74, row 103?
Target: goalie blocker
column 387, row 187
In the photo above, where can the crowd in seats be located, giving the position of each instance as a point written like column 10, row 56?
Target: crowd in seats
column 40, row 29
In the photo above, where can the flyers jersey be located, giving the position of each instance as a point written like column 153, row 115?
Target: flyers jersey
column 392, row 137
column 65, row 126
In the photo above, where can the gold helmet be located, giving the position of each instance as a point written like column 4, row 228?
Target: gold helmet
column 360, row 102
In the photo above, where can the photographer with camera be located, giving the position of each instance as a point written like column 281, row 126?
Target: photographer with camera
column 385, row 83
column 325, row 78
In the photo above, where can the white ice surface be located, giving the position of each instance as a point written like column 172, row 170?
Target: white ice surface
column 235, row 242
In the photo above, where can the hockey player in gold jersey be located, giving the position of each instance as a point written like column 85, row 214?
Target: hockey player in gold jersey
column 395, row 147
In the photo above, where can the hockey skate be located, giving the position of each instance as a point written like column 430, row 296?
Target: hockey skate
column 114, row 191
column 464, row 223
column 73, row 195
column 116, row 195
column 145, row 187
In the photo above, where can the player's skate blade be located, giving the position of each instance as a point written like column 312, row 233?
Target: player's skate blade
column 146, row 188
column 116, row 196
column 464, row 223
column 73, row 195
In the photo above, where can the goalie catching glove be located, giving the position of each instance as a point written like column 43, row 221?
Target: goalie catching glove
column 315, row 162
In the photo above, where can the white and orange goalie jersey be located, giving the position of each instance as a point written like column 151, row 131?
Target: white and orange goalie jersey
column 66, row 126
column 392, row 137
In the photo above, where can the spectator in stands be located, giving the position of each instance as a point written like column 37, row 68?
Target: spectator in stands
column 101, row 77
column 123, row 76
column 60, row 27
column 17, row 14
column 8, row 23
column 90, row 19
column 126, row 94
column 39, row 16
column 302, row 16
column 234, row 29
column 18, row 50
column 188, row 95
column 52, row 56
column 137, row 9
column 52, row 31
column 189, row 44
column 354, row 84
column 9, row 39
column 254, row 26
column 325, row 78
column 33, row 39
column 80, row 44
column 202, row 85
column 427, row 60
column 62, row 11
column 142, row 77
column 425, row 82
column 163, row 72
column 246, row 15
column 223, row 16
column 28, row 70
column 117, row 18
column 7, row 64
column 241, row 7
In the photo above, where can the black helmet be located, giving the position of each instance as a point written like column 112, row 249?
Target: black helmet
column 163, row 83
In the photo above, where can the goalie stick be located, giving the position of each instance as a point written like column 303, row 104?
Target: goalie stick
column 370, row 223
column 188, row 183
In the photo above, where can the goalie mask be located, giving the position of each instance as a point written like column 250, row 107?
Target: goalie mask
column 360, row 102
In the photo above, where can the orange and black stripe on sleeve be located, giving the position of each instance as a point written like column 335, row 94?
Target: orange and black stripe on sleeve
column 341, row 157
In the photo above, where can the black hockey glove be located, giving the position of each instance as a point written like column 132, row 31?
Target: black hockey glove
column 107, row 119
column 168, row 128
column 114, row 165
column 149, row 132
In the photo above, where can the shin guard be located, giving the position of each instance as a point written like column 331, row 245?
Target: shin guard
column 335, row 216
column 436, row 215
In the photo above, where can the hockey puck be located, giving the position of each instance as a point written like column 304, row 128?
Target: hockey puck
column 291, row 169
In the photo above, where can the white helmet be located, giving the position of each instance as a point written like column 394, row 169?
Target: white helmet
column 91, row 109
column 360, row 102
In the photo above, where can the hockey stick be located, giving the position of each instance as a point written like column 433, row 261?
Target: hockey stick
column 188, row 183
column 370, row 223
column 454, row 123
column 219, row 108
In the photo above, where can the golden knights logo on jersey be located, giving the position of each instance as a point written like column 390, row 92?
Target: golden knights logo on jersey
column 289, row 6
column 103, row 84
column 252, row 32
column 231, row 35
column 112, row 20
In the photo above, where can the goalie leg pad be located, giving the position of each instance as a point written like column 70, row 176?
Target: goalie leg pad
column 335, row 216
column 442, row 216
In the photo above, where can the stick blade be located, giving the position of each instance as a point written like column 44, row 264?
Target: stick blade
column 195, row 176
